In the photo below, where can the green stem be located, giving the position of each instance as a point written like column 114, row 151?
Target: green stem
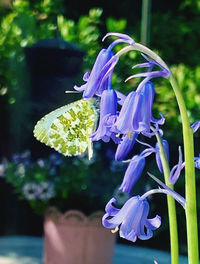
column 171, row 206
column 190, row 185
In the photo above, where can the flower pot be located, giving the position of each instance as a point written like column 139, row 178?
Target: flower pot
column 73, row 238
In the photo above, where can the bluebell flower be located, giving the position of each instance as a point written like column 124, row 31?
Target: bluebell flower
column 108, row 109
column 131, row 219
column 102, row 69
column 158, row 159
column 136, row 112
column 132, row 173
column 125, row 146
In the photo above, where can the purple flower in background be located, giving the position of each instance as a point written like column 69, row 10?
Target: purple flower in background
column 24, row 158
column 55, row 160
column 131, row 219
column 132, row 173
column 125, row 146
column 29, row 191
column 108, row 109
column 102, row 69
column 45, row 191
column 158, row 159
column 197, row 162
column 41, row 163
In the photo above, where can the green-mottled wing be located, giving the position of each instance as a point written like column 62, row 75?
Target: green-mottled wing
column 68, row 128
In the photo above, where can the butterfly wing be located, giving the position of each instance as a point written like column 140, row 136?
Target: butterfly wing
column 68, row 128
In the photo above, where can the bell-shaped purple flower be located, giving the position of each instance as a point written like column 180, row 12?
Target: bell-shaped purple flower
column 131, row 219
column 108, row 109
column 158, row 159
column 125, row 146
column 136, row 112
column 124, row 123
column 102, row 69
column 132, row 173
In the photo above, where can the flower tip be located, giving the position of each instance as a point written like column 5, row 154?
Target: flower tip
column 127, row 79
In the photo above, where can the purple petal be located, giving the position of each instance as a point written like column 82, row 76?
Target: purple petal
column 176, row 170
column 86, row 76
column 96, row 75
column 123, row 38
column 124, row 121
column 197, row 162
column 125, row 146
column 132, row 219
column 153, row 223
column 158, row 158
column 108, row 106
column 132, row 173
column 195, row 126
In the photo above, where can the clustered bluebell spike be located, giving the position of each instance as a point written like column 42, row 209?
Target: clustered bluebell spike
column 124, row 127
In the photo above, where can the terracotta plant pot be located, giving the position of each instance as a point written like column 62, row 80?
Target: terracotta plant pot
column 73, row 238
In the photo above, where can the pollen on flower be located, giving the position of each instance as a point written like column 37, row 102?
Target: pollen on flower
column 115, row 230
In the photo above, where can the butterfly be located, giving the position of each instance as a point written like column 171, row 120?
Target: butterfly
column 68, row 128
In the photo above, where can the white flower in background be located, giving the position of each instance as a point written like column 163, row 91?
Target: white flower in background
column 29, row 191
column 20, row 170
column 45, row 191
column 3, row 167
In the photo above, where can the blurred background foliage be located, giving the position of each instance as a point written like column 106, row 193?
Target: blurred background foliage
column 174, row 34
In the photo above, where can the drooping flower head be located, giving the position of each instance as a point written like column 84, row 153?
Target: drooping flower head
column 136, row 112
column 102, row 69
column 131, row 219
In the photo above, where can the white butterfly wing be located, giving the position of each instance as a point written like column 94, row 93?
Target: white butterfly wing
column 68, row 128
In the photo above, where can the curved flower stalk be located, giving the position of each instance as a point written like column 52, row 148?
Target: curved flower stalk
column 102, row 69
